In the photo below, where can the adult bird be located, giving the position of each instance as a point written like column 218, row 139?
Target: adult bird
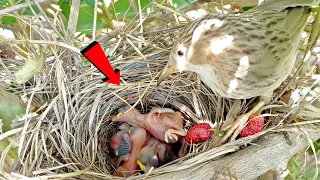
column 245, row 55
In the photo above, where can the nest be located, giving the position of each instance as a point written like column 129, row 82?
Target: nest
column 68, row 135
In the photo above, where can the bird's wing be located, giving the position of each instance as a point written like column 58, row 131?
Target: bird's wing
column 284, row 4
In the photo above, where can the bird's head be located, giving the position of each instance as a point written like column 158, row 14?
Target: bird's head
column 125, row 146
column 199, row 43
column 177, row 61
column 147, row 159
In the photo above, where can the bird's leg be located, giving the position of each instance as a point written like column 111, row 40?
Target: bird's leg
column 183, row 150
column 172, row 134
column 240, row 122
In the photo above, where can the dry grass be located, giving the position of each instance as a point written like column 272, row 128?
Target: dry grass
column 68, row 134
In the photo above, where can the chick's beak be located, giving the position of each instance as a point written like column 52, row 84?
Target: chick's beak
column 144, row 168
column 168, row 69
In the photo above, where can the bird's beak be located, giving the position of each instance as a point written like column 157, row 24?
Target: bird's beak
column 114, row 118
column 168, row 69
column 144, row 168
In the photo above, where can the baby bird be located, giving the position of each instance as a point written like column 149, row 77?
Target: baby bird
column 155, row 153
column 163, row 123
column 129, row 167
column 121, row 143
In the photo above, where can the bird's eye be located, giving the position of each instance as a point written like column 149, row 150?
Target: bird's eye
column 180, row 53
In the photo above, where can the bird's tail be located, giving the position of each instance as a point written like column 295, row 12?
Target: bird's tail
column 297, row 15
column 296, row 21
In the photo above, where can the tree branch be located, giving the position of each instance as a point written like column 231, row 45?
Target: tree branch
column 270, row 151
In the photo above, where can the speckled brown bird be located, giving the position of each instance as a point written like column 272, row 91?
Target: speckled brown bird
column 245, row 55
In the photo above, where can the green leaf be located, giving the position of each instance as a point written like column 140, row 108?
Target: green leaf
column 10, row 108
column 316, row 146
column 85, row 20
column 182, row 3
column 310, row 172
column 30, row 68
column 317, row 9
column 219, row 133
column 8, row 20
column 88, row 2
column 246, row 8
column 295, row 168
column 29, row 12
column 3, row 3
column 65, row 7
column 123, row 8
column 12, row 151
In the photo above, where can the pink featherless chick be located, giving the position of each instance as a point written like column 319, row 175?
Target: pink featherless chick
column 163, row 123
column 155, row 153
column 130, row 167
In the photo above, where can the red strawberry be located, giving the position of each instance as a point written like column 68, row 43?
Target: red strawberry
column 254, row 126
column 199, row 132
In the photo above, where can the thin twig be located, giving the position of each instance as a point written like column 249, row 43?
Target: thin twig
column 20, row 6
column 42, row 42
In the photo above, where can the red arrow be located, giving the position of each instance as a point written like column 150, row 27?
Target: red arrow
column 94, row 53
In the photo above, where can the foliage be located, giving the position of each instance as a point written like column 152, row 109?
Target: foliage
column 30, row 68
column 8, row 20
column 119, row 9
column 10, row 108
column 298, row 170
column 316, row 146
